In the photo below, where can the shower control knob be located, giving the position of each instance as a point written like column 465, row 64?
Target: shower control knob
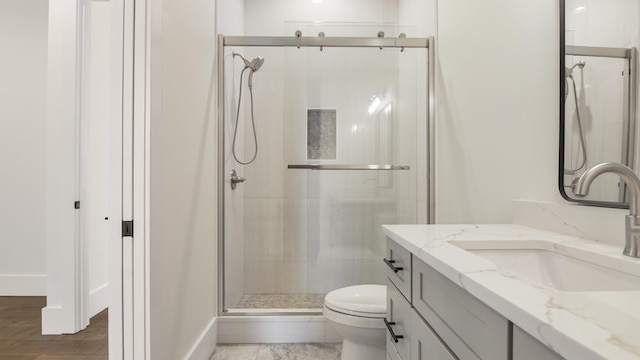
column 235, row 179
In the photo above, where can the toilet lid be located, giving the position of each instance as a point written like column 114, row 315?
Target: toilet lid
column 360, row 300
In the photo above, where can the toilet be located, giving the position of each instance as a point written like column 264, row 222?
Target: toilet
column 357, row 313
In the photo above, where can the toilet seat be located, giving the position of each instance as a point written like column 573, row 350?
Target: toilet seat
column 369, row 301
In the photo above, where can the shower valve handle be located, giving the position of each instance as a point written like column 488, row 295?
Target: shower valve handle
column 235, row 179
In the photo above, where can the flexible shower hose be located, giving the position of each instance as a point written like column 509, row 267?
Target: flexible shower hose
column 253, row 125
column 580, row 129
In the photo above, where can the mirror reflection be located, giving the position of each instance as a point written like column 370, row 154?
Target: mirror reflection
column 598, row 90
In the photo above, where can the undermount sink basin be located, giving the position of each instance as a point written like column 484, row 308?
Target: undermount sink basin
column 558, row 266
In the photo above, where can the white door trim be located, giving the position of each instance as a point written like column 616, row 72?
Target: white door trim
column 64, row 312
column 116, row 321
column 129, row 275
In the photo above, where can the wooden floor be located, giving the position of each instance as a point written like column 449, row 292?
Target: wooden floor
column 21, row 339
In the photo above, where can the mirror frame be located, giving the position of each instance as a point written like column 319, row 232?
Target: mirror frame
column 561, row 87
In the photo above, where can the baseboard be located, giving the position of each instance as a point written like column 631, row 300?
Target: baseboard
column 275, row 329
column 206, row 343
column 52, row 320
column 98, row 300
column 23, row 285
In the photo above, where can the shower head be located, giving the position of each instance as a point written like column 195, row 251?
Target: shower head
column 254, row 64
column 568, row 72
column 257, row 63
column 579, row 64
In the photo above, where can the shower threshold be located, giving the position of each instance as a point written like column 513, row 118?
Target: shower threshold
column 279, row 302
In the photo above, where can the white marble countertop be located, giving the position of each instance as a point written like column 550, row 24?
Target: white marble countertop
column 577, row 325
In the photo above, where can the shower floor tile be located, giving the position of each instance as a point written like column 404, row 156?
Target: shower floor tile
column 320, row 351
column 281, row 301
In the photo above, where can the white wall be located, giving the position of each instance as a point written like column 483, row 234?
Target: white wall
column 23, row 70
column 497, row 130
column 183, row 175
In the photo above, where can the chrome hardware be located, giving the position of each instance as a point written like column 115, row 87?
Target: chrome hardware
column 402, row 36
column 315, row 41
column 349, row 167
column 321, row 34
column 393, row 268
column 632, row 221
column 235, row 179
column 393, row 334
column 298, row 35
column 380, row 36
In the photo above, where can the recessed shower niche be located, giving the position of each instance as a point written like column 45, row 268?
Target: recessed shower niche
column 340, row 126
column 321, row 134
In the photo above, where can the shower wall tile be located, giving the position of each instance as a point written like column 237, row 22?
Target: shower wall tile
column 345, row 242
column 294, row 266
column 263, row 244
column 265, row 176
column 234, row 248
column 295, row 229
column 266, row 17
column 293, row 276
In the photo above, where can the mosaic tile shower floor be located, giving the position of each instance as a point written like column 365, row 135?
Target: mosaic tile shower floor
column 281, row 301
column 326, row 351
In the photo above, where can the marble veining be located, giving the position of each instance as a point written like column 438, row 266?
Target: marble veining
column 577, row 324
column 315, row 351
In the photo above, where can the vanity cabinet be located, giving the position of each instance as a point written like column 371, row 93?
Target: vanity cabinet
column 438, row 320
column 469, row 327
column 525, row 347
column 398, row 321
column 398, row 269
column 425, row 343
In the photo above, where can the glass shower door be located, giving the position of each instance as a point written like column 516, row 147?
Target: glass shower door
column 342, row 150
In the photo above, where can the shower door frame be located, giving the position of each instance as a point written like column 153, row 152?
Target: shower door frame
column 427, row 43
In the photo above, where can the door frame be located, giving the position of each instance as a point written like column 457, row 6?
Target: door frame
column 67, row 305
column 129, row 266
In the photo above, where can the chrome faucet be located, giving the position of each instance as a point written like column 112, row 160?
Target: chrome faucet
column 632, row 221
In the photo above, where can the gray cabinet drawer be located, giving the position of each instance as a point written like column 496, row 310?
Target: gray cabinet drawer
column 526, row 347
column 459, row 318
column 399, row 318
column 425, row 344
column 398, row 267
column 392, row 353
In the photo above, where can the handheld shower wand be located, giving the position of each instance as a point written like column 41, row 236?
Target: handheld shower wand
column 568, row 74
column 253, row 65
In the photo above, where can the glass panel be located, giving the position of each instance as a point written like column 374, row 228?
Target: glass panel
column 292, row 235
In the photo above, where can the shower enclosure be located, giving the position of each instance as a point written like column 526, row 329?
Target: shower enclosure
column 340, row 129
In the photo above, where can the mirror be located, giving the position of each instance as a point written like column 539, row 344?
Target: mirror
column 598, row 97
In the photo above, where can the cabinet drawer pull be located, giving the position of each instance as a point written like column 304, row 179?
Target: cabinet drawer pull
column 391, row 266
column 393, row 335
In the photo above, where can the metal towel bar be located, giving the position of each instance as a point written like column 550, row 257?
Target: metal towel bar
column 349, row 167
